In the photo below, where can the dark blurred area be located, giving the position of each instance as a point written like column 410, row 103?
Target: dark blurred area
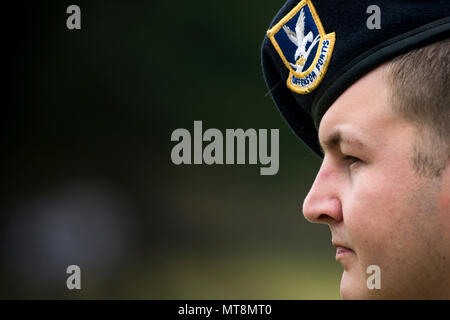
column 87, row 177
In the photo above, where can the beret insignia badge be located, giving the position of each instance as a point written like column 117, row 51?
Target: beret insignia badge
column 304, row 47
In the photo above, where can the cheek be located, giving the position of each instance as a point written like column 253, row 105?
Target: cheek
column 392, row 221
column 373, row 212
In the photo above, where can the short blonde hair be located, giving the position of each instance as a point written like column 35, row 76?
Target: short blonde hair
column 420, row 92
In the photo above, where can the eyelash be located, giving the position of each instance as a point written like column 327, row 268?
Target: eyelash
column 351, row 159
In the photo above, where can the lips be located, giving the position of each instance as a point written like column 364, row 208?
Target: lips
column 342, row 251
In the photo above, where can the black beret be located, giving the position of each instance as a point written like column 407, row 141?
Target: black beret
column 315, row 49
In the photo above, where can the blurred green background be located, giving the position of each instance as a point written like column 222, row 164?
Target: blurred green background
column 87, row 177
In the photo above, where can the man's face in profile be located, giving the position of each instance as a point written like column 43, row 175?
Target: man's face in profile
column 379, row 209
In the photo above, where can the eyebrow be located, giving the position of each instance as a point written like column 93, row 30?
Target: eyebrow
column 335, row 139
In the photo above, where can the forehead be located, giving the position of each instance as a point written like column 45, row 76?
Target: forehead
column 362, row 110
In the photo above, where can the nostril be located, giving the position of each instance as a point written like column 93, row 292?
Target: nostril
column 322, row 217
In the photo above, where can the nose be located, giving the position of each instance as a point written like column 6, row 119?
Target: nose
column 323, row 204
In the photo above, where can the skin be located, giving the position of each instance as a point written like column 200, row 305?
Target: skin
column 375, row 203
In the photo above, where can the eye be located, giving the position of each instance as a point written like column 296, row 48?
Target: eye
column 351, row 160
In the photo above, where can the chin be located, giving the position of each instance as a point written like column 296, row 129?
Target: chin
column 348, row 293
column 347, row 288
column 353, row 287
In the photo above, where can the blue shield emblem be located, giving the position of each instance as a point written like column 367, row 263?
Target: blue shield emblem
column 304, row 47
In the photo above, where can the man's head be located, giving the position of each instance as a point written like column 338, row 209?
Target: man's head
column 377, row 99
column 384, row 184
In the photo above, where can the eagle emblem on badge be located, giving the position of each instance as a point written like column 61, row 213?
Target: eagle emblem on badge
column 305, row 48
